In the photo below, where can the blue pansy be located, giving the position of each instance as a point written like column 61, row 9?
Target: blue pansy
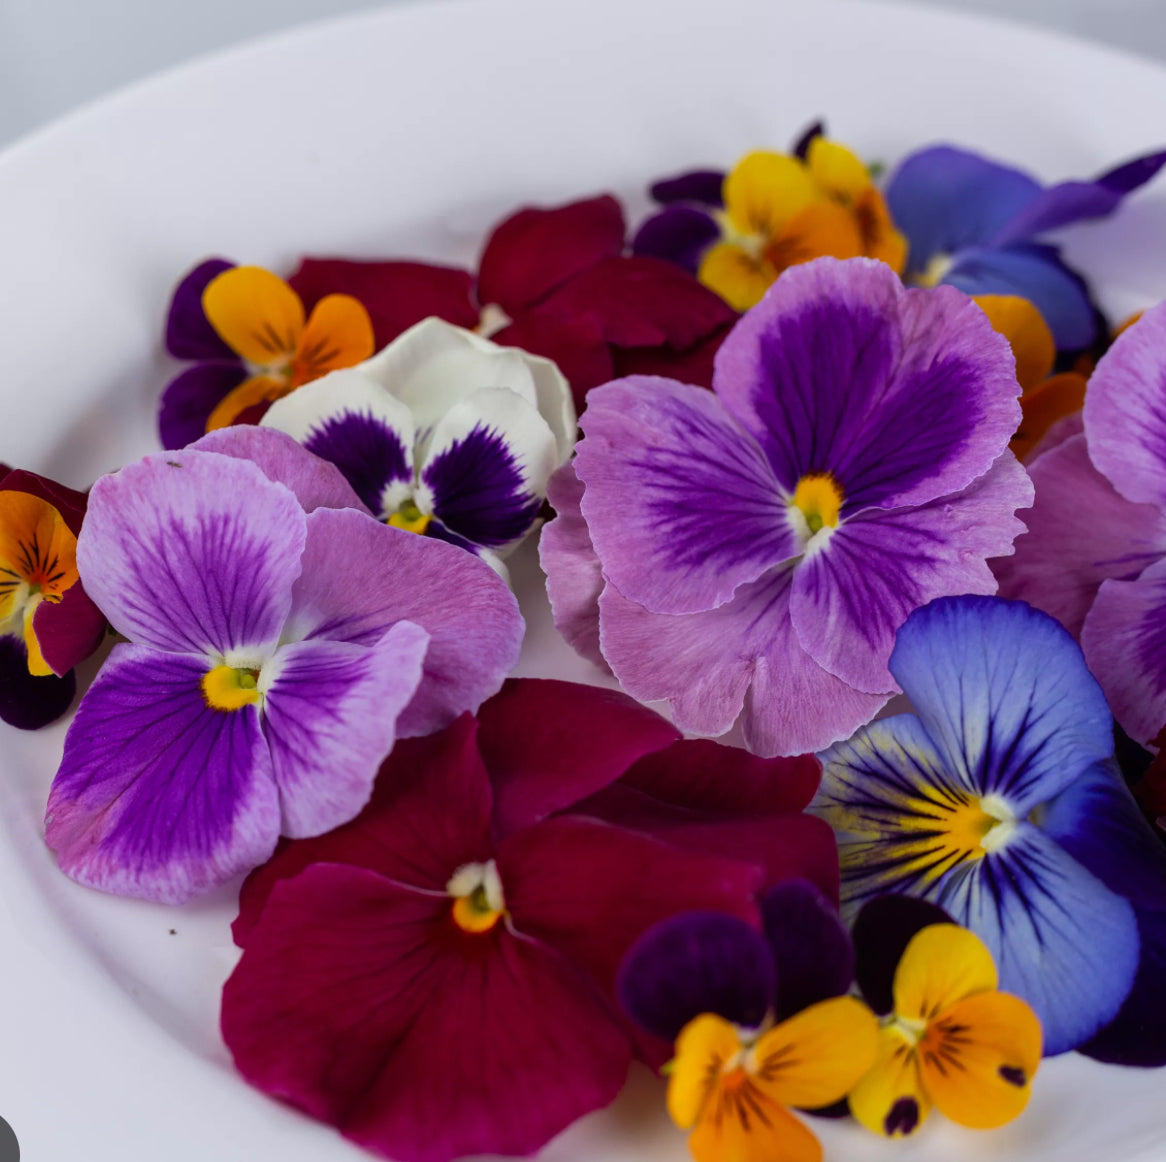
column 975, row 224
column 999, row 800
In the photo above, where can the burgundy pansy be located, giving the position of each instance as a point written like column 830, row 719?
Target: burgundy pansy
column 437, row 977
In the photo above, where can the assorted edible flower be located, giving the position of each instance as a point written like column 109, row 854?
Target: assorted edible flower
column 753, row 550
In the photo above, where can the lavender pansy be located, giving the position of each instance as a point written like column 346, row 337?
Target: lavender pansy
column 273, row 657
column 986, row 802
column 760, row 545
column 443, row 433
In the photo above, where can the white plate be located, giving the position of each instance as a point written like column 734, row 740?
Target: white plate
column 409, row 132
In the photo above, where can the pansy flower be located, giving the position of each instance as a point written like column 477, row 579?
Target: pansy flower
column 975, row 224
column 554, row 282
column 774, row 211
column 443, row 433
column 760, row 1022
column 436, row 978
column 273, row 657
column 752, row 551
column 47, row 622
column 252, row 342
column 999, row 800
column 948, row 1038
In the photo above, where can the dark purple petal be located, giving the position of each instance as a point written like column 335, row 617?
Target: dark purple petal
column 188, row 333
column 882, row 930
column 801, row 147
column 158, row 795
column 677, row 234
column 190, row 398
column 705, row 186
column 29, row 702
column 369, row 454
column 694, row 963
column 1130, row 175
column 809, row 945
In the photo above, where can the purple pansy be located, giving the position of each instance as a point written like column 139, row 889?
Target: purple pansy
column 273, row 657
column 975, row 224
column 758, row 546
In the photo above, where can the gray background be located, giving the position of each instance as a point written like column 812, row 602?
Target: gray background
column 58, row 54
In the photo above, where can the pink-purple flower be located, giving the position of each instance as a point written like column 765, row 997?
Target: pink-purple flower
column 751, row 552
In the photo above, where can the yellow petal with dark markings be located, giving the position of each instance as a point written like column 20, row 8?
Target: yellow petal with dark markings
column 703, row 1049
column 256, row 314
column 880, row 238
column 838, row 172
column 742, row 1125
column 256, row 390
column 764, row 190
column 338, row 334
column 822, row 230
column 890, row 1099
column 38, row 552
column 740, row 278
column 942, row 964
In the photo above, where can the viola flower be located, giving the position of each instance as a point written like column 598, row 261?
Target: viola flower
column 436, row 978
column 443, row 433
column 950, row 1040
column 273, row 657
column 760, row 1021
column 553, row 282
column 47, row 622
column 752, row 551
column 778, row 211
column 253, row 343
column 976, row 224
column 999, row 801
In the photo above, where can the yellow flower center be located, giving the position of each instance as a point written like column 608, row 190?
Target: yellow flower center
column 935, row 271
column 818, row 498
column 478, row 903
column 230, row 688
column 410, row 518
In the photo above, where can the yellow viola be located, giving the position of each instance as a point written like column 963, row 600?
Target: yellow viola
column 732, row 1088
column 263, row 321
column 953, row 1041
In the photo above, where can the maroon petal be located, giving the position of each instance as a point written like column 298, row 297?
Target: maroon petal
column 429, row 814
column 395, row 294
column 360, row 1002
column 590, row 890
column 190, row 398
column 693, row 365
column 189, row 334
column 70, row 503
column 575, row 343
column 548, row 744
column 643, row 302
column 69, row 631
column 535, row 250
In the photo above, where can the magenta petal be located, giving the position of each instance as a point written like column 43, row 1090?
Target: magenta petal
column 681, row 504
column 740, row 659
column 535, row 250
column 70, row 503
column 1081, row 532
column 189, row 334
column 358, row 1001
column 361, row 576
column 68, row 631
column 192, row 552
column 330, row 717
column 574, row 574
column 158, row 795
column 549, row 744
column 1124, row 639
column 850, row 597
column 191, row 396
column 317, row 483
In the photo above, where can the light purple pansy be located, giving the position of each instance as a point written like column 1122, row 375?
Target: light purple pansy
column 274, row 656
column 1095, row 554
column 442, row 432
column 758, row 546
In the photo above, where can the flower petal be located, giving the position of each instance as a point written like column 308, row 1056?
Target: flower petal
column 703, row 1049
column 486, row 467
column 681, row 506
column 192, row 552
column 751, row 1129
column 736, row 274
column 550, row 744
column 158, row 795
column 978, row 1060
column 360, row 577
column 189, row 334
column 191, row 397
column 249, row 400
column 1043, row 408
column 338, row 334
column 256, row 314
column 411, row 1037
column 677, row 234
column 315, row 482
column 890, row 1100
column 694, row 963
column 1027, row 333
column 941, row 965
column 330, row 717
column 1003, row 691
column 349, row 420
column 850, row 597
column 764, row 190
column 28, row 701
column 742, row 659
column 693, row 365
column 902, row 396
column 68, row 631
column 704, row 186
